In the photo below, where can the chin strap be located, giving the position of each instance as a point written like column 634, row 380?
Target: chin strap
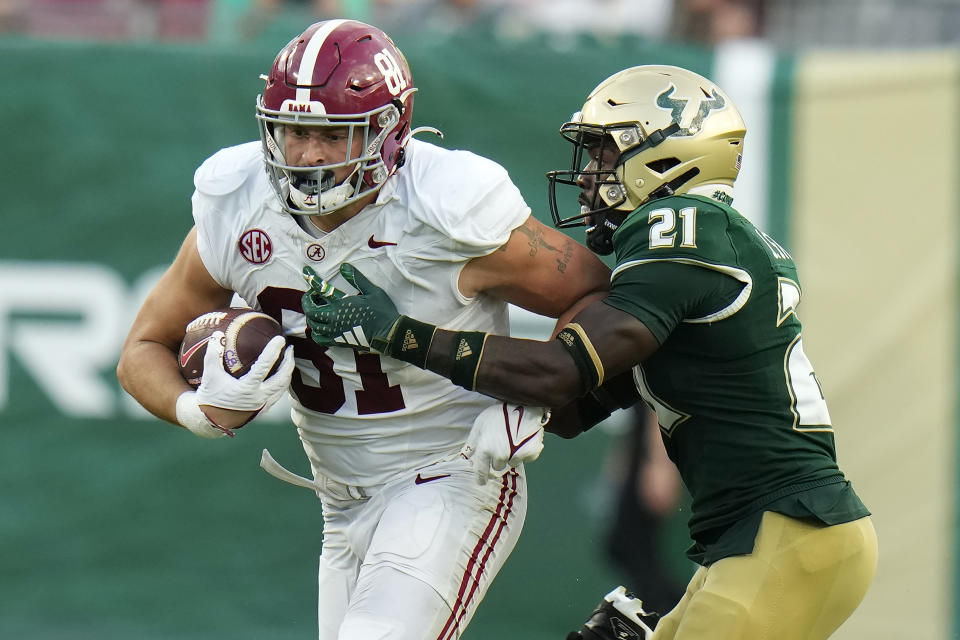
column 652, row 140
column 600, row 239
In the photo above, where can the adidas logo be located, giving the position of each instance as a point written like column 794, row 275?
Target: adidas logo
column 463, row 350
column 409, row 341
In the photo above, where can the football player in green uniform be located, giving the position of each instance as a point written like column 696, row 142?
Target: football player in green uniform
column 700, row 321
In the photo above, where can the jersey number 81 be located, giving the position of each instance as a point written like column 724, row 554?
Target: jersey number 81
column 377, row 395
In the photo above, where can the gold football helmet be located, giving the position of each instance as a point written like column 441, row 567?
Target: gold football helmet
column 669, row 129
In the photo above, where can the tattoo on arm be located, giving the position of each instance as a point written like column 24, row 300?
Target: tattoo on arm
column 535, row 241
column 565, row 256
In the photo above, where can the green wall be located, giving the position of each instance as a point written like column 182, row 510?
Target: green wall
column 113, row 524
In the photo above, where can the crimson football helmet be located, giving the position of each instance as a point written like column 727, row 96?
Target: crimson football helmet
column 337, row 74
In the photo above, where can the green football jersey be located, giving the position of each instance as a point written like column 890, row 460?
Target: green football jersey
column 740, row 410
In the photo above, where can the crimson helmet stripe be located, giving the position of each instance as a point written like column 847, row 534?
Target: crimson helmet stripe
column 309, row 59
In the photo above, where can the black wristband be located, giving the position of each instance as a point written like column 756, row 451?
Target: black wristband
column 411, row 341
column 466, row 358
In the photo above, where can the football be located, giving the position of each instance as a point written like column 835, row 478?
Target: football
column 246, row 332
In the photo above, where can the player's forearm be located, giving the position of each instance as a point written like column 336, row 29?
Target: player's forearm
column 595, row 406
column 527, row 372
column 148, row 372
column 565, row 421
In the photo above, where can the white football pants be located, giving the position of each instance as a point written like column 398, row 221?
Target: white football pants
column 414, row 561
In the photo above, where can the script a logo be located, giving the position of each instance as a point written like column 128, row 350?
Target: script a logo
column 315, row 252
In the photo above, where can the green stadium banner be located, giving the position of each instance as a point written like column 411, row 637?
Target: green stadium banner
column 117, row 525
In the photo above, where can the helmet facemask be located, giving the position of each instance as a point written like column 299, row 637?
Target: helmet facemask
column 597, row 161
column 315, row 190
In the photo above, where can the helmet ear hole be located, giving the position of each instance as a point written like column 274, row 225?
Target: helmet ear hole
column 401, row 132
column 663, row 165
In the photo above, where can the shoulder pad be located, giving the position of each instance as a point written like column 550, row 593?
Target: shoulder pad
column 457, row 165
column 468, row 200
column 226, row 170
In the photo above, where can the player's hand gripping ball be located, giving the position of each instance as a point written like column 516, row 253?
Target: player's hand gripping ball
column 245, row 334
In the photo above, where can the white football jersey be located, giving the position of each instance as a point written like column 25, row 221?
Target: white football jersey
column 363, row 418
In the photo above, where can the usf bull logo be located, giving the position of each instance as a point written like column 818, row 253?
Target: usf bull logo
column 678, row 107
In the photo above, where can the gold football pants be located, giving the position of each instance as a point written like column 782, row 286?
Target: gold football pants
column 800, row 583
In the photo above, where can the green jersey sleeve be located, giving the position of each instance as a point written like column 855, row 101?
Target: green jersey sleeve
column 663, row 294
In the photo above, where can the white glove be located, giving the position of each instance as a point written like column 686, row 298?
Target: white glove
column 253, row 391
column 503, row 436
column 191, row 416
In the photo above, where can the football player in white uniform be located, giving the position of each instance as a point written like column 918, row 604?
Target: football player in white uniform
column 411, row 539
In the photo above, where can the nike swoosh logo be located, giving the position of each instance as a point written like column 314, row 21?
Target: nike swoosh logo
column 420, row 479
column 376, row 244
column 189, row 352
column 515, row 446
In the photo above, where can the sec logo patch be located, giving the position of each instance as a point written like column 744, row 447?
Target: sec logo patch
column 255, row 246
